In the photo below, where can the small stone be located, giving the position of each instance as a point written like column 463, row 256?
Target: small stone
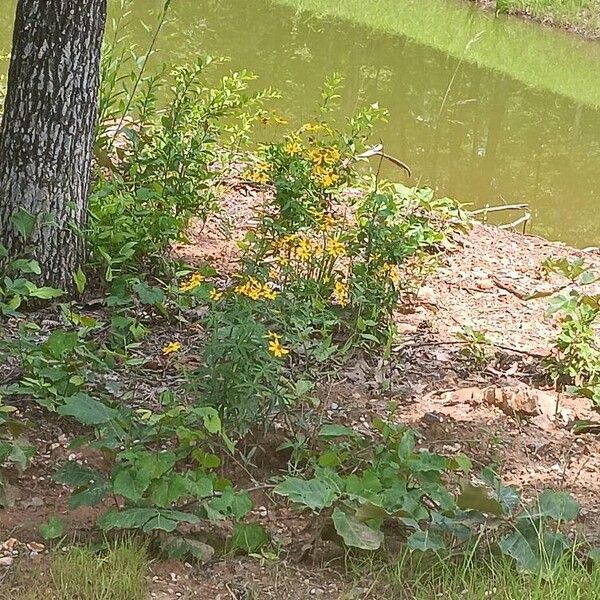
column 426, row 295
column 6, row 561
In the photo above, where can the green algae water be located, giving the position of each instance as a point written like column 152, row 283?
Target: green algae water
column 484, row 110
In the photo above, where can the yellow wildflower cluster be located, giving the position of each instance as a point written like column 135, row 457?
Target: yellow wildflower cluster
column 324, row 156
column 215, row 294
column 275, row 347
column 335, row 247
column 259, row 174
column 254, row 289
column 171, row 348
column 191, row 283
column 340, row 293
column 393, row 272
column 293, row 147
column 327, row 223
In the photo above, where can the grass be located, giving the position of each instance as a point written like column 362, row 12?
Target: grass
column 582, row 15
column 117, row 573
column 491, row 578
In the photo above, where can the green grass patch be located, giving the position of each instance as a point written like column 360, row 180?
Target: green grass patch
column 117, row 573
column 425, row 577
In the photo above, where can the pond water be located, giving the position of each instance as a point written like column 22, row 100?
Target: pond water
column 487, row 111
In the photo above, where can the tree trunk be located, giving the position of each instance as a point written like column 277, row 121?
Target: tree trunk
column 48, row 129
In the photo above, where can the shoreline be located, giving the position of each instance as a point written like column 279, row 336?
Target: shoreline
column 579, row 27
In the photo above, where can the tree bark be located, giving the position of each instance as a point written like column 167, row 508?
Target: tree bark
column 47, row 131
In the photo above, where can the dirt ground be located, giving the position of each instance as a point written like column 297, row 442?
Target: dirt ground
column 483, row 283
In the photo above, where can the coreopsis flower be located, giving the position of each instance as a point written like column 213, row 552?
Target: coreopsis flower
column 275, row 347
column 293, row 147
column 340, row 293
column 171, row 348
column 335, row 247
column 191, row 283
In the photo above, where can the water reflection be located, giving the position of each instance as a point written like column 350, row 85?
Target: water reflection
column 475, row 134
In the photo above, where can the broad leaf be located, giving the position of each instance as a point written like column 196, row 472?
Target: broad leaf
column 131, row 518
column 249, row 537
column 87, row 410
column 424, row 541
column 355, row 533
column 560, row 506
column 477, row 498
column 313, row 493
column 52, row 529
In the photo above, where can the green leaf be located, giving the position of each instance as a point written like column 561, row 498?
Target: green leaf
column 131, row 518
column 333, row 430
column 52, row 529
column 46, row 293
column 87, row 410
column 185, row 548
column 534, row 549
column 560, row 506
column 313, row 493
column 355, row 533
column 74, row 475
column 426, row 461
column 477, row 498
column 423, row 541
column 161, row 522
column 80, row 280
column 91, row 495
column 24, row 222
column 25, row 266
column 168, row 520
column 210, row 417
column 249, row 537
column 149, row 295
column 61, row 343
column 131, row 483
column 91, row 487
column 168, row 490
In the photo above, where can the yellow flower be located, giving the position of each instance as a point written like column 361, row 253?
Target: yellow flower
column 340, row 293
column 280, row 120
column 393, row 272
column 332, row 156
column 329, row 179
column 215, row 294
column 192, row 283
column 259, row 174
column 171, row 347
column 312, row 127
column 327, row 223
column 256, row 290
column 268, row 293
column 294, row 146
column 335, row 248
column 275, row 347
column 324, row 156
column 304, row 250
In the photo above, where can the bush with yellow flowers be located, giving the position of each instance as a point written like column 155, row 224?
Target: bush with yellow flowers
column 323, row 272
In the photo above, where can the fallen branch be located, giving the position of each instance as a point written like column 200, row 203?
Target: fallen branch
column 501, row 208
column 378, row 151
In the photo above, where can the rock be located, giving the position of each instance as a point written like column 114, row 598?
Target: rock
column 485, row 285
column 469, row 395
column 524, row 401
column 6, row 561
column 426, row 295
